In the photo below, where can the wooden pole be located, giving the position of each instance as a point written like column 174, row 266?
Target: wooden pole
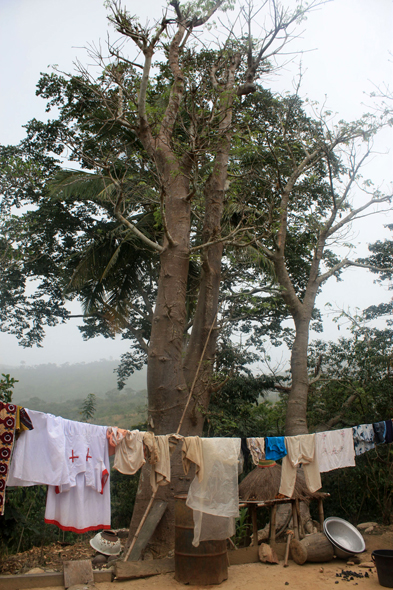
column 299, row 519
column 289, row 535
column 273, row 523
column 294, row 518
column 254, row 525
column 321, row 513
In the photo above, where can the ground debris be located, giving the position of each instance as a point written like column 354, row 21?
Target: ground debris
column 49, row 557
column 349, row 575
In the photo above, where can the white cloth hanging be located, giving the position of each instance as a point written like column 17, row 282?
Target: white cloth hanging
column 335, row 449
column 72, row 459
column 39, row 455
column 215, row 499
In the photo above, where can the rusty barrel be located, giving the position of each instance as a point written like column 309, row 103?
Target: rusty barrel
column 203, row 565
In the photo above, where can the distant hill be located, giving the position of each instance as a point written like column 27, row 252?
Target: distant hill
column 126, row 409
column 57, row 383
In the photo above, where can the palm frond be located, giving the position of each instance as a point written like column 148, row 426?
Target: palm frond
column 69, row 185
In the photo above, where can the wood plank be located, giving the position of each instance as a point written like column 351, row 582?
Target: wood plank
column 148, row 529
column 244, row 555
column 130, row 570
column 78, row 572
column 45, row 580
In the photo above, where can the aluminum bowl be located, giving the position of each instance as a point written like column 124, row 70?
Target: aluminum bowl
column 343, row 535
column 338, row 551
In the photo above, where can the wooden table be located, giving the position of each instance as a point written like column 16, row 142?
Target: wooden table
column 253, row 506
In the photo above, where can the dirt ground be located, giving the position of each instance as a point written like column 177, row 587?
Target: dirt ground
column 259, row 576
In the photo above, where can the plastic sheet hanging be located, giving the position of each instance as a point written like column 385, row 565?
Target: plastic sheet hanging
column 215, row 499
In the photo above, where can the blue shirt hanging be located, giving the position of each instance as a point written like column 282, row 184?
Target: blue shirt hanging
column 275, row 447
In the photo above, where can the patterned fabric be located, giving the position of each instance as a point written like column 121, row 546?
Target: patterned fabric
column 379, row 432
column 389, row 431
column 7, row 437
column 23, row 421
column 275, row 447
column 257, row 449
column 363, row 438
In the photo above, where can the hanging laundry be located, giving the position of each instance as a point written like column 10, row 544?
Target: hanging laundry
column 335, row 449
column 114, row 436
column 192, row 453
column 160, row 474
column 275, row 448
column 300, row 450
column 39, row 454
column 129, row 453
column 72, row 459
column 379, row 432
column 149, row 440
column 215, row 499
column 257, row 449
column 363, row 438
column 8, row 413
column 23, row 421
column 389, row 431
column 83, row 504
column 245, row 451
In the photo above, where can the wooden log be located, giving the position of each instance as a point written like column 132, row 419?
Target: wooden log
column 318, row 548
column 298, row 552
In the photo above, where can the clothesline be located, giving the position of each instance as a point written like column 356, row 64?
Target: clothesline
column 72, row 459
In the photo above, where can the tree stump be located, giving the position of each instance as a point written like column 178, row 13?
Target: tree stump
column 298, row 552
column 314, row 548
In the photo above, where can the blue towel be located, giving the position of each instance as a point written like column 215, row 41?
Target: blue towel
column 275, row 447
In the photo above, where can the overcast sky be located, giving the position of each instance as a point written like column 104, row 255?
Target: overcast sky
column 346, row 46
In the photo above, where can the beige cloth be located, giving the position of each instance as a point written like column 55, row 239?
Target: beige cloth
column 192, row 453
column 301, row 450
column 150, row 443
column 161, row 470
column 129, row 454
column 256, row 447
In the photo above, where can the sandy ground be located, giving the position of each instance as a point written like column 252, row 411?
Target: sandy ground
column 260, row 576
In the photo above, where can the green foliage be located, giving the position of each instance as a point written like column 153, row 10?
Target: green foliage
column 22, row 526
column 6, row 387
column 88, row 407
column 123, row 493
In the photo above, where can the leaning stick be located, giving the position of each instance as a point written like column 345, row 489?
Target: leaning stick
column 196, row 375
column 140, row 525
column 289, row 535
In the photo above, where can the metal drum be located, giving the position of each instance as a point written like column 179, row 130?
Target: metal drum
column 199, row 566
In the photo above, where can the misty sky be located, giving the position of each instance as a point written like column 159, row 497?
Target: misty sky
column 346, row 45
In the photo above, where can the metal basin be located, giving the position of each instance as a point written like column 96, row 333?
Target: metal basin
column 343, row 535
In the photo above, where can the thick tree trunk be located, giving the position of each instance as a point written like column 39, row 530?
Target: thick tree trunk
column 296, row 420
